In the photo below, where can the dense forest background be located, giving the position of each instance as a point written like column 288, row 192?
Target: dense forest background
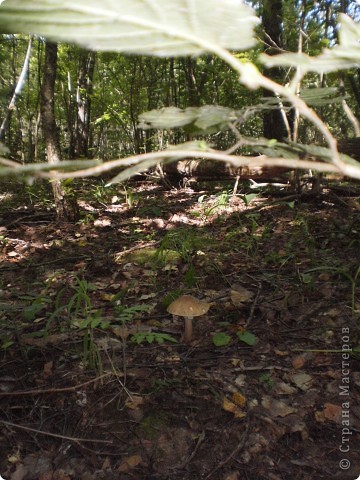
column 101, row 377
column 99, row 96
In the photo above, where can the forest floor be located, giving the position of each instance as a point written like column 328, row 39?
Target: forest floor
column 96, row 381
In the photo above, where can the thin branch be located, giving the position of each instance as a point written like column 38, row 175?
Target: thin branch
column 54, row 390
column 236, row 161
column 55, row 435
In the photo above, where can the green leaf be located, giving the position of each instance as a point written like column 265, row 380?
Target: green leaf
column 205, row 119
column 221, row 339
column 248, row 198
column 150, row 27
column 247, row 337
column 152, row 337
column 321, row 96
column 342, row 56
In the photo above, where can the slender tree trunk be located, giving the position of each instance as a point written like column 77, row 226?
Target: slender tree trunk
column 272, row 19
column 17, row 91
column 193, row 92
column 83, row 102
column 65, row 206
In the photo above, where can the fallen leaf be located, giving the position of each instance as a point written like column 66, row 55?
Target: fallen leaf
column 239, row 399
column 302, row 381
column 129, row 463
column 134, row 402
column 300, row 360
column 48, row 369
column 277, row 408
column 331, row 412
column 282, row 388
column 106, row 464
column 240, row 295
column 281, row 353
column 231, row 407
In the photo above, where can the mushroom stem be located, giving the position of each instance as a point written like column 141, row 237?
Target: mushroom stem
column 188, row 329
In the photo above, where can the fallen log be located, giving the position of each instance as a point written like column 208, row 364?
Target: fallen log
column 212, row 169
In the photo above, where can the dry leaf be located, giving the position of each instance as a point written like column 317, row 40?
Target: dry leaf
column 48, row 369
column 239, row 399
column 106, row 464
column 129, row 463
column 300, row 360
column 240, row 295
column 121, row 332
column 281, row 353
column 302, row 381
column 134, row 402
column 332, row 412
column 277, row 407
column 282, row 388
column 231, row 407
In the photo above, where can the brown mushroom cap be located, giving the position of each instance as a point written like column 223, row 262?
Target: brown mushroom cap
column 188, row 306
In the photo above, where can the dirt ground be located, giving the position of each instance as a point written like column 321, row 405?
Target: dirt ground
column 96, row 381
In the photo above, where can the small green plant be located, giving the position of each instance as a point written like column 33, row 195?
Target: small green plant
column 91, row 353
column 190, row 277
column 171, row 296
column 126, row 314
column 80, row 304
column 185, row 242
column 131, row 198
column 248, row 198
column 353, row 279
column 3, row 240
column 211, row 205
column 37, row 307
column 221, row 339
column 267, row 380
column 102, row 193
column 152, row 337
column 86, row 218
column 39, row 193
column 247, row 337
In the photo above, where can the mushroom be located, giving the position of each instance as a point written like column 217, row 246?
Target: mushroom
column 188, row 307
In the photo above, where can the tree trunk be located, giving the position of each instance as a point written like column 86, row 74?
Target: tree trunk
column 83, row 103
column 20, row 83
column 66, row 207
column 272, row 19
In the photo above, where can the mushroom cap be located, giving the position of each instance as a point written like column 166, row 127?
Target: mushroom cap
column 188, row 306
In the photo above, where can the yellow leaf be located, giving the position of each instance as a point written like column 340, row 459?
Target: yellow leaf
column 107, row 297
column 230, row 407
column 134, row 402
column 129, row 463
column 239, row 399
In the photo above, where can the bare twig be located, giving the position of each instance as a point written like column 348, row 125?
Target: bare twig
column 47, row 391
column 55, row 435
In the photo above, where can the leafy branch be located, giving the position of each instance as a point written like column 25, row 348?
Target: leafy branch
column 178, row 28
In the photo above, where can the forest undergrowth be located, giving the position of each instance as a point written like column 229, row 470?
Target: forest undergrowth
column 96, row 380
